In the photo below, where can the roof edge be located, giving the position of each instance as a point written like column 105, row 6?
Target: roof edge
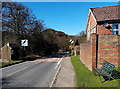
column 103, row 7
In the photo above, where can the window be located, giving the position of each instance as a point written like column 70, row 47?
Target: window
column 115, row 26
column 116, row 29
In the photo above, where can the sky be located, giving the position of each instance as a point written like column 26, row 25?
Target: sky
column 68, row 17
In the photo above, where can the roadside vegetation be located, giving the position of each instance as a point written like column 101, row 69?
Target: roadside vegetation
column 18, row 23
column 4, row 64
column 86, row 78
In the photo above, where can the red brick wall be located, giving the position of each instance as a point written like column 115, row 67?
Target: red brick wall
column 109, row 49
column 88, row 53
column 101, row 30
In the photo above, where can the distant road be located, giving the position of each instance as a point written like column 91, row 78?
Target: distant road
column 30, row 73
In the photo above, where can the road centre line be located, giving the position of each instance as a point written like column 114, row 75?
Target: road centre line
column 17, row 71
column 21, row 69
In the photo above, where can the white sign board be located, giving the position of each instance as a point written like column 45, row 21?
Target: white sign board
column 24, row 42
column 71, row 41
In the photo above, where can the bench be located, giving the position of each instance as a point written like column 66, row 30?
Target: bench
column 106, row 70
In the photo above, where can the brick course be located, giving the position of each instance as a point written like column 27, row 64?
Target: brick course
column 108, row 49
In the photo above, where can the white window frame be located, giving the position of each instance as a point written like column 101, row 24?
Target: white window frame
column 116, row 29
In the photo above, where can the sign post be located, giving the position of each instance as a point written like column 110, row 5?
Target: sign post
column 71, row 47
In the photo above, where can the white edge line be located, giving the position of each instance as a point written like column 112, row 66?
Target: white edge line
column 13, row 65
column 55, row 77
column 59, row 63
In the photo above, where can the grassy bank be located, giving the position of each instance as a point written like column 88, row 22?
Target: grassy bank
column 86, row 78
column 10, row 63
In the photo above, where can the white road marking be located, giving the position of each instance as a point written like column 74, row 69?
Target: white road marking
column 20, row 70
column 37, row 63
column 58, row 66
column 14, row 65
column 52, row 82
column 59, row 62
column 17, row 71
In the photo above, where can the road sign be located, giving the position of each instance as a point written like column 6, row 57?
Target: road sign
column 70, row 47
column 24, row 42
column 71, row 41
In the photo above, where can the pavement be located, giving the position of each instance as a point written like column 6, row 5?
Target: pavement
column 66, row 75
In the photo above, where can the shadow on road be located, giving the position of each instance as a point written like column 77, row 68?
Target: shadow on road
column 60, row 55
column 4, row 81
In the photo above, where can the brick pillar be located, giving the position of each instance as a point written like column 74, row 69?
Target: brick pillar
column 75, row 50
column 94, row 56
column 6, row 53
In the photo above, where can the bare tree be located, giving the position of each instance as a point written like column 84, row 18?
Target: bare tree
column 19, row 23
column 81, row 37
column 18, row 18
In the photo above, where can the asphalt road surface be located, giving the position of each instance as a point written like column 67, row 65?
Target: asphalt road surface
column 30, row 73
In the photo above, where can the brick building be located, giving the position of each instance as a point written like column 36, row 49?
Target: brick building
column 103, row 37
column 103, row 20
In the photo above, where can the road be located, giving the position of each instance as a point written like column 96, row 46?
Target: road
column 37, row 73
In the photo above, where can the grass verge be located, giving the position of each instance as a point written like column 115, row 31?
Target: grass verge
column 86, row 78
column 10, row 63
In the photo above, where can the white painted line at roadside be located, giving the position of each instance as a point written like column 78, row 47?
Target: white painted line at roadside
column 55, row 77
column 37, row 63
column 58, row 63
column 14, row 65
column 57, row 66
column 17, row 71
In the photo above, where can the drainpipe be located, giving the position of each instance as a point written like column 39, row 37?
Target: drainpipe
column 96, row 46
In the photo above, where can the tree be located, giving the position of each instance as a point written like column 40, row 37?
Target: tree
column 18, row 18
column 50, row 41
column 82, row 33
column 14, row 16
column 81, row 37
column 19, row 23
